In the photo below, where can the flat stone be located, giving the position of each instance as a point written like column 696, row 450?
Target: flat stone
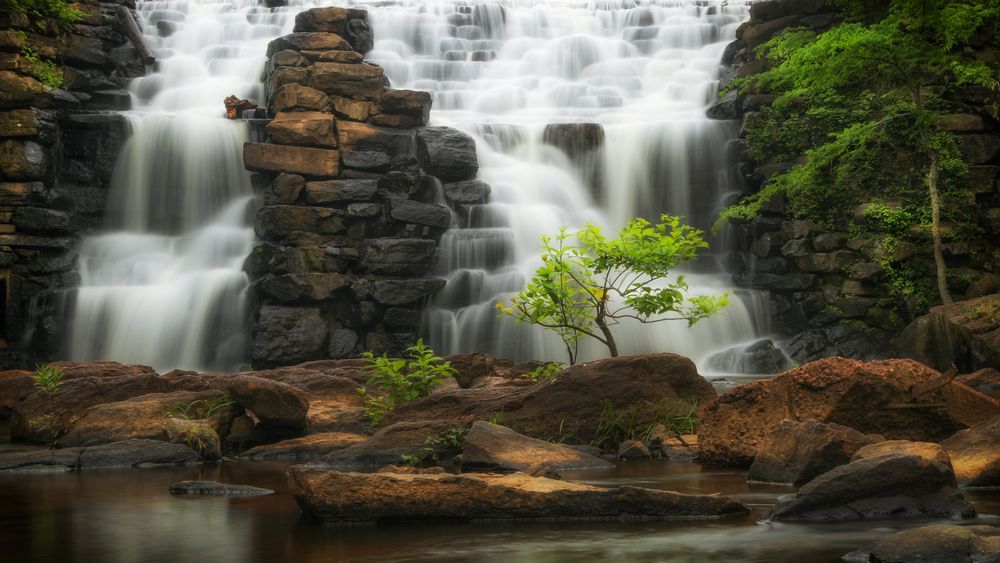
column 217, row 489
column 261, row 157
column 368, row 161
column 937, row 543
column 307, row 448
column 308, row 41
column 284, row 190
column 493, row 447
column 296, row 97
column 404, row 292
column 355, row 110
column 348, row 80
column 399, row 256
column 469, row 192
column 339, row 191
column 309, row 128
column 430, row 214
column 287, row 335
column 364, row 137
column 447, row 153
column 281, row 222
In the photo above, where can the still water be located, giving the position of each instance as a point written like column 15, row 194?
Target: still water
column 124, row 515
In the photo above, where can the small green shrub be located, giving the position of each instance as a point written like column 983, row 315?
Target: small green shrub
column 544, row 373
column 61, row 11
column 47, row 378
column 616, row 426
column 436, row 445
column 198, row 410
column 402, row 380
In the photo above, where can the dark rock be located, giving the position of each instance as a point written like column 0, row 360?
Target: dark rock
column 364, row 137
column 308, row 41
column 937, row 543
column 632, row 450
column 299, row 288
column 405, row 292
column 275, row 404
column 430, row 214
column 284, row 190
column 980, row 148
column 296, row 97
column 468, row 192
column 412, row 104
column 447, row 153
column 337, row 191
column 352, row 498
column 24, row 160
column 283, row 222
column 199, row 435
column 797, row 452
column 307, row 448
column 286, row 335
column 975, row 454
column 130, row 453
column 399, row 256
column 847, row 392
column 216, row 489
column 472, row 367
column 493, row 447
column 843, row 340
column 986, row 381
column 760, row 358
column 368, row 161
column 964, row 334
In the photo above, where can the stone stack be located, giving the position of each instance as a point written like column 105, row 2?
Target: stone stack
column 58, row 147
column 355, row 199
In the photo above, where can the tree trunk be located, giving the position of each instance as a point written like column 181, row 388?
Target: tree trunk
column 609, row 338
column 932, row 186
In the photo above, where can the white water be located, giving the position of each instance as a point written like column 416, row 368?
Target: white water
column 645, row 72
column 165, row 287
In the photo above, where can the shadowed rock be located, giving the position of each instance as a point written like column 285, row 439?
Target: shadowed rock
column 490, row 446
column 797, row 452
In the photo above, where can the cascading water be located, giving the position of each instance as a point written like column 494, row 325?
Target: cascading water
column 164, row 286
column 583, row 112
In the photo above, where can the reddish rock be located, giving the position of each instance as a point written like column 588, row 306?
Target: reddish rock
column 264, row 157
column 275, row 404
column 236, row 106
column 493, row 447
column 797, row 452
column 308, row 448
column 296, row 97
column 975, row 454
column 871, row 397
column 309, row 128
column 349, row 80
column 386, row 446
column 943, row 543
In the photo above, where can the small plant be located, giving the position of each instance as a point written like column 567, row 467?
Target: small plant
column 47, row 72
column 62, row 12
column 563, row 436
column 48, row 378
column 199, row 409
column 436, row 445
column 679, row 415
column 989, row 312
column 402, row 380
column 615, row 426
column 542, row 374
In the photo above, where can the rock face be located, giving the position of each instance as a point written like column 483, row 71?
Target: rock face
column 576, row 400
column 975, row 454
column 937, row 543
column 355, row 498
column 130, row 453
column 886, row 480
column 899, row 399
column 350, row 221
column 275, row 404
column 216, row 489
column 964, row 334
column 797, row 452
column 493, row 447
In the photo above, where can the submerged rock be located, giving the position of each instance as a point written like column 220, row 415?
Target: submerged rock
column 490, row 446
column 937, row 543
column 899, row 399
column 355, row 498
column 797, row 452
column 214, row 488
column 130, row 453
column 888, row 480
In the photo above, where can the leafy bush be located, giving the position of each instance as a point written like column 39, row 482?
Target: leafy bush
column 402, row 380
column 448, row 441
column 47, row 378
column 541, row 374
column 61, row 11
column 198, row 410
column 616, row 426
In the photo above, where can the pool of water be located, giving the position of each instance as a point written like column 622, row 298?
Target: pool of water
column 127, row 515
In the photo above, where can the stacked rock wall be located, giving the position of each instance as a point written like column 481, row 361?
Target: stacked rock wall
column 355, row 198
column 825, row 287
column 58, row 146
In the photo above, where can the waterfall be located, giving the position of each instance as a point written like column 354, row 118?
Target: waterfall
column 163, row 285
column 583, row 111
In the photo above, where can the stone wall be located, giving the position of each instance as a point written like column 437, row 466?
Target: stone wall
column 357, row 192
column 57, row 151
column 824, row 287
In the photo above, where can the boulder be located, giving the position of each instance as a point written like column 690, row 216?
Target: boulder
column 286, row 335
column 265, row 157
column 307, row 448
column 130, row 453
column 308, row 41
column 975, row 454
column 429, row 214
column 937, row 543
column 146, row 417
column 351, row 24
column 386, row 446
column 494, row 447
column 358, row 498
column 273, row 403
column 309, row 128
column 469, row 192
column 965, row 334
column 883, row 481
column 447, row 153
column 199, row 435
column 899, row 399
column 291, row 222
column 296, row 97
column 16, row 89
column 403, row 108
column 577, row 400
column 399, row 256
column 760, row 358
column 796, row 452
column 216, row 489
column 358, row 81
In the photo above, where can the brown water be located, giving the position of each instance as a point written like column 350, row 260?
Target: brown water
column 127, row 515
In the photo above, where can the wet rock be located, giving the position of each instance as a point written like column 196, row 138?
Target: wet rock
column 844, row 339
column 871, row 397
column 301, row 288
column 337, row 191
column 352, row 498
column 285, row 222
column 24, row 160
column 129, row 453
column 888, row 481
column 308, row 41
column 430, row 214
column 447, row 153
column 386, row 446
column 975, row 454
column 309, row 128
column 797, row 452
column 493, row 447
column 405, row 292
column 760, row 358
column 261, row 157
column 575, row 400
column 399, row 256
column 359, row 81
column 965, row 334
column 404, row 108
column 296, row 97
column 286, row 335
column 468, row 192
column 937, row 543
column 216, row 489
column 367, row 161
column 307, row 448
column 16, row 89
column 198, row 435
column 275, row 404
column 351, row 24
column 633, row 449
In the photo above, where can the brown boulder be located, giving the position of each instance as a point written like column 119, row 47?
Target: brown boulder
column 576, row 400
column 927, row 450
column 890, row 480
column 348, row 80
column 354, row 498
column 309, row 128
column 493, row 447
column 797, row 452
column 975, row 454
column 296, row 97
column 386, row 446
column 937, row 543
column 871, row 397
column 264, row 157
column 275, row 404
column 308, row 448
column 308, row 41
column 965, row 334
column 199, row 435
column 16, row 89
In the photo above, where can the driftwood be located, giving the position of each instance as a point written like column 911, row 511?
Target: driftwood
column 131, row 27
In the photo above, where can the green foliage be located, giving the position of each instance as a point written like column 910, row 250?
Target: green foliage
column 47, row 378
column 435, row 446
column 987, row 312
column 616, row 426
column 541, row 374
column 402, row 380
column 563, row 435
column 585, row 289
column 199, row 409
column 500, row 419
column 62, row 12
